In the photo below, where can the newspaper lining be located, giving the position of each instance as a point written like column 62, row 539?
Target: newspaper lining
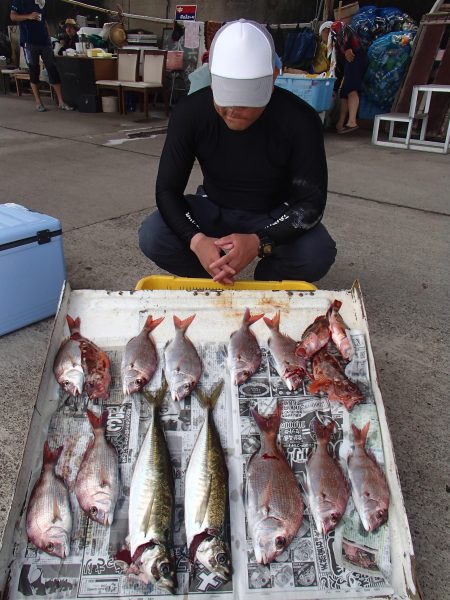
column 345, row 559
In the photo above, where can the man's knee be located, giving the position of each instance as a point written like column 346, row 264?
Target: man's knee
column 149, row 236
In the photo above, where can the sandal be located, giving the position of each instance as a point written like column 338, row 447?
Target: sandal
column 40, row 108
column 348, row 129
column 65, row 107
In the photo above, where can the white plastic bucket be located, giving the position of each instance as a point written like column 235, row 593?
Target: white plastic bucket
column 110, row 104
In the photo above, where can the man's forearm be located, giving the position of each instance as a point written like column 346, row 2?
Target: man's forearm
column 16, row 18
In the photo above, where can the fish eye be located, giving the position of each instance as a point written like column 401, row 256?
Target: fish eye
column 66, row 382
column 246, row 373
column 280, row 542
column 50, row 547
column 165, row 569
column 221, row 558
column 151, row 545
column 381, row 513
column 187, row 387
column 93, row 511
column 334, row 518
column 139, row 381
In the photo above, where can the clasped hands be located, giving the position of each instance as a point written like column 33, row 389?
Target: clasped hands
column 239, row 250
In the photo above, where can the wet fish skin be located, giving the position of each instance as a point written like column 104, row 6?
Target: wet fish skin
column 370, row 490
column 95, row 363
column 337, row 331
column 183, row 366
column 49, row 518
column 328, row 491
column 206, row 497
column 315, row 337
column 291, row 367
column 140, row 359
column 97, row 482
column 329, row 378
column 244, row 353
column 68, row 367
column 150, row 513
column 274, row 504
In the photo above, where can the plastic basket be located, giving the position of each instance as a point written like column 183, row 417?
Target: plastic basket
column 316, row 91
column 168, row 282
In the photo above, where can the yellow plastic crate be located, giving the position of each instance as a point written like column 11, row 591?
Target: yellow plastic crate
column 169, row 282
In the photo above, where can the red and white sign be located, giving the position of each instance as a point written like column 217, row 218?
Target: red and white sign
column 185, row 12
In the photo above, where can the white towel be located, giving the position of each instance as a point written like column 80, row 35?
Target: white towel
column 191, row 34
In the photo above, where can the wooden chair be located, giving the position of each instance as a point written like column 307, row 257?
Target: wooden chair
column 152, row 80
column 127, row 72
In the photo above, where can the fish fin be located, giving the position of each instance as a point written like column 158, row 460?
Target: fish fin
column 360, row 435
column 273, row 324
column 157, row 398
column 104, row 479
column 50, row 457
column 74, row 324
column 182, row 324
column 56, row 512
column 148, row 513
column 269, row 424
column 203, row 506
column 97, row 422
column 248, row 319
column 151, row 323
column 196, row 541
column 324, row 432
column 209, row 400
column 334, row 308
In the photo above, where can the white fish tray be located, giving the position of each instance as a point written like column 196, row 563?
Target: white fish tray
column 308, row 571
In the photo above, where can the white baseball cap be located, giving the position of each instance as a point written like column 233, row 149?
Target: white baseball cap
column 325, row 25
column 241, row 61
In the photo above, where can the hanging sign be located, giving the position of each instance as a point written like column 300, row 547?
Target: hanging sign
column 185, row 12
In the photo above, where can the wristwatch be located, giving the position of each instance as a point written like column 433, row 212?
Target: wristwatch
column 266, row 245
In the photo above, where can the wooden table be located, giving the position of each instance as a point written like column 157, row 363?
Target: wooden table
column 78, row 76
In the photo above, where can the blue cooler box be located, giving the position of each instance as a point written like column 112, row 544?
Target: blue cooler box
column 32, row 269
column 316, row 91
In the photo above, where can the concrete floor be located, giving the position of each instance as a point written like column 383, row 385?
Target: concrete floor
column 388, row 211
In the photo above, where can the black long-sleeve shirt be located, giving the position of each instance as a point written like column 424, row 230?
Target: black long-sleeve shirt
column 279, row 161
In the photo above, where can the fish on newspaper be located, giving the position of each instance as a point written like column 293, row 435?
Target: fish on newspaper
column 95, row 365
column 274, row 503
column 206, row 495
column 151, row 506
column 338, row 331
column 49, row 519
column 291, row 367
column 329, row 378
column 183, row 366
column 315, row 337
column 244, row 353
column 326, row 485
column 370, row 490
column 140, row 359
column 97, row 482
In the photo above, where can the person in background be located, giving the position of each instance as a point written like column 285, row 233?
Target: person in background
column 261, row 152
column 35, row 39
column 321, row 62
column 69, row 38
column 350, row 60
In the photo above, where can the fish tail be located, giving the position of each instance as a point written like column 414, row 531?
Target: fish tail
column 361, row 434
column 274, row 323
column 248, row 319
column 97, row 422
column 183, row 324
column 157, row 398
column 334, row 308
column 151, row 323
column 269, row 424
column 74, row 324
column 324, row 432
column 209, row 400
column 50, row 457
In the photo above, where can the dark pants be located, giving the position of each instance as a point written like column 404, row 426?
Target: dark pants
column 32, row 54
column 308, row 257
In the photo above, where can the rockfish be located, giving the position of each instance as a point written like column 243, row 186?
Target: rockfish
column 97, row 482
column 49, row 520
column 326, row 485
column 329, row 378
column 274, row 503
column 337, row 330
column 244, row 353
column 290, row 367
column 315, row 337
column 68, row 367
column 151, row 505
column 206, row 495
column 140, row 359
column 183, row 367
column 369, row 486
